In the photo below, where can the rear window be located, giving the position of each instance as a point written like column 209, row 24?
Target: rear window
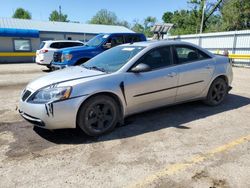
column 42, row 45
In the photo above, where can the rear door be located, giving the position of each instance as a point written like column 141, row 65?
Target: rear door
column 195, row 70
column 154, row 88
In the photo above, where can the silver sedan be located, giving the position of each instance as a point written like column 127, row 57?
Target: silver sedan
column 125, row 80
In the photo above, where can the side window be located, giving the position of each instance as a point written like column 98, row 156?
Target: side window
column 137, row 39
column 116, row 40
column 75, row 44
column 188, row 54
column 132, row 38
column 55, row 45
column 63, row 45
column 157, row 58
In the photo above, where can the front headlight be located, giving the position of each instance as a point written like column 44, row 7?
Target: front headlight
column 66, row 57
column 51, row 94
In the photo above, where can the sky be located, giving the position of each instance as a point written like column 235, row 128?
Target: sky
column 84, row 10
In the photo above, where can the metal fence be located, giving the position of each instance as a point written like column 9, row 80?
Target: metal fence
column 235, row 42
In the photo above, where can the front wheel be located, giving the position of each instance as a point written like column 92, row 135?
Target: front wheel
column 98, row 115
column 217, row 92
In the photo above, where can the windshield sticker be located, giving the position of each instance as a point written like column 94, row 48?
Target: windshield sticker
column 105, row 36
column 128, row 49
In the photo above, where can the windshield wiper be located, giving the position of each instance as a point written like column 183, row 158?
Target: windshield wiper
column 95, row 68
column 98, row 68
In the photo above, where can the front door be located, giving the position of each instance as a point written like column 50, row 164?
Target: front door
column 155, row 88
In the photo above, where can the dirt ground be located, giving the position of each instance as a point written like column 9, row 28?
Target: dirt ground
column 188, row 145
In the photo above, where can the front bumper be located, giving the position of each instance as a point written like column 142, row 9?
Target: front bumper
column 57, row 115
column 33, row 120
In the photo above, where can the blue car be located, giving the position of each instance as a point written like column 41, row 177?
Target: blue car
column 79, row 55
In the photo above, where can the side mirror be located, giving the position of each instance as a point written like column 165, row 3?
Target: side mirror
column 141, row 68
column 107, row 46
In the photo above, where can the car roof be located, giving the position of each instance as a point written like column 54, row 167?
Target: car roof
column 158, row 43
column 121, row 34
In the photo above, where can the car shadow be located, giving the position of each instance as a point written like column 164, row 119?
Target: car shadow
column 150, row 121
column 47, row 70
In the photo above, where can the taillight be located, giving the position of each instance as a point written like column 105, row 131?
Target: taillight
column 43, row 51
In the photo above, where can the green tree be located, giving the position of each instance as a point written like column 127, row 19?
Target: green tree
column 104, row 17
column 145, row 26
column 137, row 27
column 124, row 23
column 189, row 21
column 167, row 17
column 22, row 14
column 56, row 16
column 236, row 14
column 148, row 23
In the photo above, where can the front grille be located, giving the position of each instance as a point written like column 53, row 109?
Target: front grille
column 26, row 94
column 57, row 57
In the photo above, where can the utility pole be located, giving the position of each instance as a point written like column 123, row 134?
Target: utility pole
column 60, row 13
column 203, row 15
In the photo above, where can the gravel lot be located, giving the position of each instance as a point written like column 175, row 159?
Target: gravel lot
column 188, row 145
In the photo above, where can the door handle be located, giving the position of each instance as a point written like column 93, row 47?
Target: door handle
column 172, row 74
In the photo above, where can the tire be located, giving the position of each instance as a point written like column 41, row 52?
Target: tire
column 49, row 67
column 98, row 115
column 217, row 92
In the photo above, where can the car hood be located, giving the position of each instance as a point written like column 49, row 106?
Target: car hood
column 61, row 76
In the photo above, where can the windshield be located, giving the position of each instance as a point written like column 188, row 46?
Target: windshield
column 96, row 41
column 113, row 59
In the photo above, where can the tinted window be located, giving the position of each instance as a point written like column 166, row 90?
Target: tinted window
column 75, row 44
column 132, row 38
column 70, row 44
column 55, row 45
column 59, row 45
column 116, row 40
column 157, row 58
column 189, row 54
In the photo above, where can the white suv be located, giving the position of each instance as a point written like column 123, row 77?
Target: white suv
column 44, row 55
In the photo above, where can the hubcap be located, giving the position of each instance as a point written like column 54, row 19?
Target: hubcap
column 218, row 92
column 100, row 116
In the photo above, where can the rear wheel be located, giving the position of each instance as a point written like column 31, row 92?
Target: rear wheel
column 217, row 92
column 98, row 115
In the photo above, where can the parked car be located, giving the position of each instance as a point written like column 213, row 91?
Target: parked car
column 44, row 55
column 125, row 80
column 76, row 56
